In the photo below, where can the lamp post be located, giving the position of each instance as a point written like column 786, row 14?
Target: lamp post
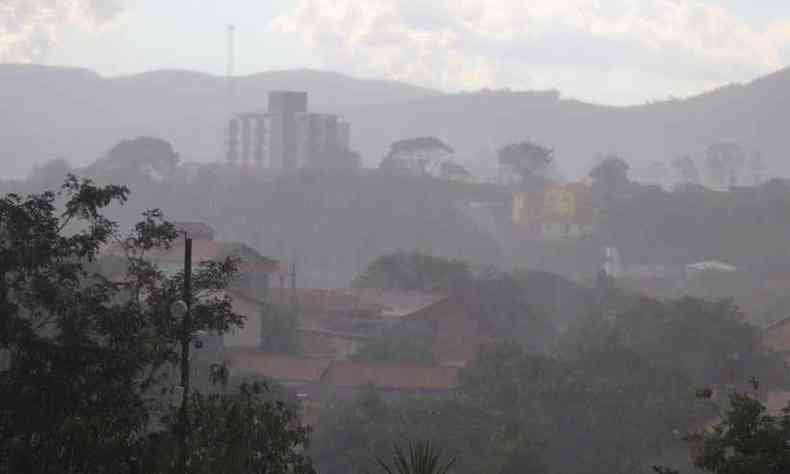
column 180, row 310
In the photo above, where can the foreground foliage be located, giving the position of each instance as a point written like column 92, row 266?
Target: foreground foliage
column 420, row 458
column 614, row 390
column 748, row 440
column 86, row 363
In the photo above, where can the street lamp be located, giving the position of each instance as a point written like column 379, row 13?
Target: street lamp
column 178, row 309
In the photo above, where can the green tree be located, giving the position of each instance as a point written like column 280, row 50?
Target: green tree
column 557, row 403
column 527, row 159
column 240, row 432
column 143, row 155
column 711, row 341
column 419, row 156
column 413, row 271
column 611, row 174
column 748, row 440
column 88, row 361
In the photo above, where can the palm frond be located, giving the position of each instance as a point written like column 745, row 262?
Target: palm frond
column 422, row 457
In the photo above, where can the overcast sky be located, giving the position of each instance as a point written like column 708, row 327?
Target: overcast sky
column 607, row 51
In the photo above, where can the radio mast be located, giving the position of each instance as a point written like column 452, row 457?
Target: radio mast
column 231, row 64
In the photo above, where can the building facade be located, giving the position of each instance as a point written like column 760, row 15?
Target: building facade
column 556, row 212
column 287, row 136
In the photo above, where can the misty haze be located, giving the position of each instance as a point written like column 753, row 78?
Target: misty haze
column 394, row 236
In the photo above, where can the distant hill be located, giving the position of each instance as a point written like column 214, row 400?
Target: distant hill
column 49, row 112
column 52, row 112
column 754, row 115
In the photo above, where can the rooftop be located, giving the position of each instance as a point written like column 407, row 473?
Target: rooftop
column 777, row 336
column 195, row 230
column 398, row 302
column 283, row 368
column 325, row 301
column 205, row 250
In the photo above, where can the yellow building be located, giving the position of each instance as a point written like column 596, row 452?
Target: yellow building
column 559, row 201
column 556, row 211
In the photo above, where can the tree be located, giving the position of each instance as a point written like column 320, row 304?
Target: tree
column 686, row 169
column 412, row 271
column 142, row 157
column 711, row 342
column 747, row 440
column 422, row 458
column 239, row 432
column 417, row 156
column 560, row 402
column 527, row 159
column 366, row 428
column 88, row 361
column 611, row 173
column 453, row 171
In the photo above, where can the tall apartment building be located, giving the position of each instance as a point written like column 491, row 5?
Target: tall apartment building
column 286, row 136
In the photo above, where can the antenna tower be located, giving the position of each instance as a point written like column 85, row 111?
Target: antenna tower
column 231, row 63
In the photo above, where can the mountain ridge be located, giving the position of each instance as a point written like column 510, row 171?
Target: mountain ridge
column 50, row 112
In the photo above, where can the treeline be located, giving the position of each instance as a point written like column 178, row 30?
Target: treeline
column 616, row 395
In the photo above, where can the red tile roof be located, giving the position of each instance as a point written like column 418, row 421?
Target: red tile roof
column 458, row 334
column 391, row 376
column 398, row 302
column 326, row 301
column 776, row 402
column 777, row 336
column 204, row 250
column 278, row 367
column 196, row 230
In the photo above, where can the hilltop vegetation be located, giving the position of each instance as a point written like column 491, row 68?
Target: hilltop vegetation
column 83, row 114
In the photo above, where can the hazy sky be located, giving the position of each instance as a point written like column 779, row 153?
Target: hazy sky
column 612, row 51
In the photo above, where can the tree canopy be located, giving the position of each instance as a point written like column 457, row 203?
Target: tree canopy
column 412, row 271
column 87, row 372
column 527, row 159
column 149, row 157
column 611, row 173
column 420, row 156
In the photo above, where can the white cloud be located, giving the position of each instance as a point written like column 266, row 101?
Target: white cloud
column 29, row 28
column 612, row 50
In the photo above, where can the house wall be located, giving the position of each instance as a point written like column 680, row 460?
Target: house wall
column 559, row 202
column 326, row 344
column 777, row 338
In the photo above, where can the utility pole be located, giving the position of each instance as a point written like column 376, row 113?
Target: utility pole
column 231, row 65
column 186, row 333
